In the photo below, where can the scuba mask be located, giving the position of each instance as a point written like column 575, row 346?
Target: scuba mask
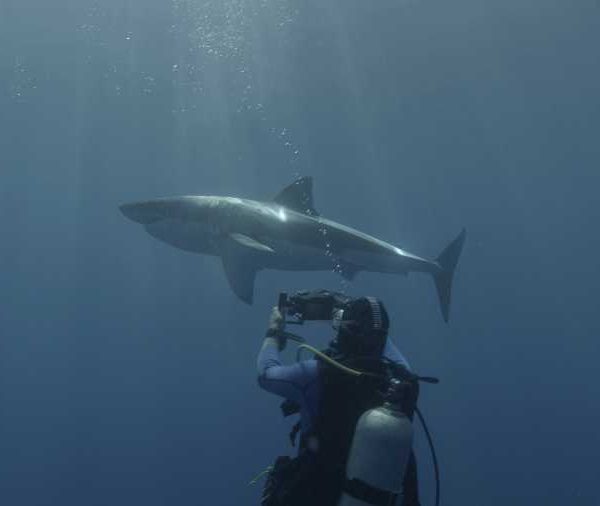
column 361, row 327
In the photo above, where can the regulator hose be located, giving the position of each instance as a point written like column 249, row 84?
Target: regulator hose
column 329, row 360
column 433, row 456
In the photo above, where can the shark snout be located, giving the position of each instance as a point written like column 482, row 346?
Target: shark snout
column 144, row 213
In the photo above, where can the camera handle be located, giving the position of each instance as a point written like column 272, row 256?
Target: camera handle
column 282, row 304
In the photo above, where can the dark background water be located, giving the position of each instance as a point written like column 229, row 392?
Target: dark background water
column 127, row 367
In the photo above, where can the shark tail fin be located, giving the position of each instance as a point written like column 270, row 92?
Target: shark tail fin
column 443, row 279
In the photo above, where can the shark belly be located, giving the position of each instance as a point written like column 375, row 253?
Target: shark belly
column 290, row 256
column 302, row 257
column 194, row 237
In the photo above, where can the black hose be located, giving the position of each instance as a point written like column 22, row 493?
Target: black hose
column 433, row 456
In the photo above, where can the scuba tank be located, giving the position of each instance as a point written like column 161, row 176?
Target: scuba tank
column 379, row 454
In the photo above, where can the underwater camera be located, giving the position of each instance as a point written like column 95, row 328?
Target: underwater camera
column 311, row 305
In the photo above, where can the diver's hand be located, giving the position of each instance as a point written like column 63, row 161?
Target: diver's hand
column 276, row 321
column 276, row 327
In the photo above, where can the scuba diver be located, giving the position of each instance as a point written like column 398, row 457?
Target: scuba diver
column 356, row 402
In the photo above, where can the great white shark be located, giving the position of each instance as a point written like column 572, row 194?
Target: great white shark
column 286, row 233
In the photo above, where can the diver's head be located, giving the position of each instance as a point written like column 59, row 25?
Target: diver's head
column 362, row 327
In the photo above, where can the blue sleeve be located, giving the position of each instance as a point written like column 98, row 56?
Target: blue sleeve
column 289, row 381
column 392, row 353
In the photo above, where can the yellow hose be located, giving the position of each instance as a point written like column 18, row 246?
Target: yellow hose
column 261, row 475
column 329, row 360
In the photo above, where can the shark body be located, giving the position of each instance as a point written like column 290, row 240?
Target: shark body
column 286, row 233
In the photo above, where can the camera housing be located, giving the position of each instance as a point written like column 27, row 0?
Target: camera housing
column 311, row 305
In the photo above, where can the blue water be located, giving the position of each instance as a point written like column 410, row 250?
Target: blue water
column 127, row 367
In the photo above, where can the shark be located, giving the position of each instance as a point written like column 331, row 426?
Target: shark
column 286, row 233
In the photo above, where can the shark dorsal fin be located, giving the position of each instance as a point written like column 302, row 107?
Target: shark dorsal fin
column 298, row 196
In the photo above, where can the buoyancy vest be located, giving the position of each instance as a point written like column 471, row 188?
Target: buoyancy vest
column 343, row 400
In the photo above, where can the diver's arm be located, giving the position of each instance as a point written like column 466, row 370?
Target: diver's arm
column 268, row 356
column 289, row 381
column 273, row 344
column 392, row 353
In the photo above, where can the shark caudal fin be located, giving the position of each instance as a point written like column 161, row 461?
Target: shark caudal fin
column 443, row 280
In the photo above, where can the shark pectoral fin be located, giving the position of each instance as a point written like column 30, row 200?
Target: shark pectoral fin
column 241, row 276
column 298, row 196
column 239, row 254
column 247, row 242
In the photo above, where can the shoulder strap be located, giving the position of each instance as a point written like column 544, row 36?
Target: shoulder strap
column 343, row 400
